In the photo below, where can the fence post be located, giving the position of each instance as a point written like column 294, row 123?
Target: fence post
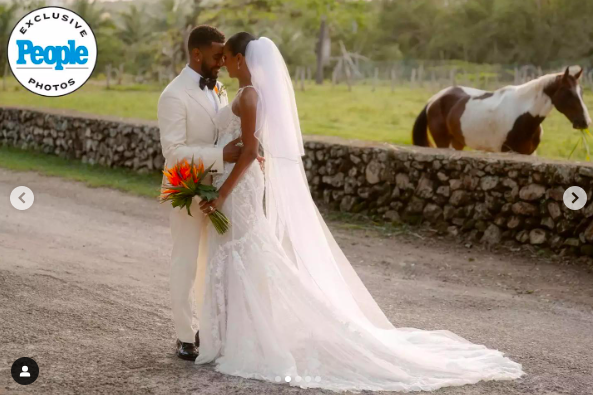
column 393, row 79
column 335, row 76
column 348, row 76
column 4, row 75
column 452, row 77
column 108, row 75
column 303, row 78
column 120, row 77
column 517, row 76
column 375, row 78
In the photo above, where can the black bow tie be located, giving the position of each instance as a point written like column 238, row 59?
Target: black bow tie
column 209, row 82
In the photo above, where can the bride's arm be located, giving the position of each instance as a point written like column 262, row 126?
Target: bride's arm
column 247, row 113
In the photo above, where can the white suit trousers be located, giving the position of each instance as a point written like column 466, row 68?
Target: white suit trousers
column 188, row 268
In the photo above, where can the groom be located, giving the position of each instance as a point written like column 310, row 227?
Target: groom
column 186, row 112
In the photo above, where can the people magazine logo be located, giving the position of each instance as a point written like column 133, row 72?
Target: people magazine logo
column 52, row 51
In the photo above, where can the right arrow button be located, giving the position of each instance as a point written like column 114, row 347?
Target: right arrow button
column 575, row 198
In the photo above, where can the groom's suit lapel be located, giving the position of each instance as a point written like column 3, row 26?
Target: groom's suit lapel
column 193, row 90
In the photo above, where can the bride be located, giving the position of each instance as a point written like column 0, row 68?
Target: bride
column 281, row 301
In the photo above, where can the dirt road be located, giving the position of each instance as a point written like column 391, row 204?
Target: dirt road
column 84, row 292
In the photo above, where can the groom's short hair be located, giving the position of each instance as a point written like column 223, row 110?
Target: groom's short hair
column 204, row 36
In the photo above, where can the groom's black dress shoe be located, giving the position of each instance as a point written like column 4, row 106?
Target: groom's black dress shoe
column 187, row 351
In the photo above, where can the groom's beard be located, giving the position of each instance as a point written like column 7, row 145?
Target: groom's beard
column 209, row 72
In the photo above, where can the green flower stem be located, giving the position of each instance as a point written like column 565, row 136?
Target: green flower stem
column 219, row 221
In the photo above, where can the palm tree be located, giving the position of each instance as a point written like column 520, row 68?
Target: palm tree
column 134, row 29
column 93, row 14
column 103, row 27
column 7, row 13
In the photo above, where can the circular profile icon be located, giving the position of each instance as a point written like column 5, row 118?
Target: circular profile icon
column 25, row 371
column 52, row 51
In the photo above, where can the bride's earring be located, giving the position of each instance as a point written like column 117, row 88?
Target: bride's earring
column 238, row 66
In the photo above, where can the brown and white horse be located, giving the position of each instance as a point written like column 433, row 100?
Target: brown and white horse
column 508, row 119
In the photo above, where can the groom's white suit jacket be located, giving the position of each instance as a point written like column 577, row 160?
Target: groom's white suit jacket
column 186, row 121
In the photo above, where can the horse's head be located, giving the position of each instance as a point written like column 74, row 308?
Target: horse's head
column 568, row 99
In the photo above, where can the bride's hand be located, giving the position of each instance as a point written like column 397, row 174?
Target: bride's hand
column 208, row 207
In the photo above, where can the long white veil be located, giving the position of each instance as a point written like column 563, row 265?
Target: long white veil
column 289, row 206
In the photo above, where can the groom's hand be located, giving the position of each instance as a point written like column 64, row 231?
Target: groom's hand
column 261, row 161
column 231, row 152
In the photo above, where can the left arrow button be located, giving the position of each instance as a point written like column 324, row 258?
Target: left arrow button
column 17, row 198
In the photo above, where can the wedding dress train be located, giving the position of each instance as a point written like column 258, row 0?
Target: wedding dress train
column 265, row 317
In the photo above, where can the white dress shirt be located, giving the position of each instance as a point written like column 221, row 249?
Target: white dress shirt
column 209, row 92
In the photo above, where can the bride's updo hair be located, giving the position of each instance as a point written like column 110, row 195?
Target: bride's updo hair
column 238, row 42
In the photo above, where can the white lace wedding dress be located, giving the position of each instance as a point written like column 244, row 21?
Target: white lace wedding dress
column 261, row 318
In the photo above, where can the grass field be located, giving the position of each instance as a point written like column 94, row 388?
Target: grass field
column 93, row 176
column 324, row 110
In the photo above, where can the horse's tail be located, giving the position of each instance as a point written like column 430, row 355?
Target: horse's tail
column 420, row 130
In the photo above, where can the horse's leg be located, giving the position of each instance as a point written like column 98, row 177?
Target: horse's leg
column 454, row 124
column 530, row 146
column 537, row 138
column 437, row 125
column 457, row 145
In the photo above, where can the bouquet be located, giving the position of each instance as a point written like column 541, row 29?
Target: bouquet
column 185, row 183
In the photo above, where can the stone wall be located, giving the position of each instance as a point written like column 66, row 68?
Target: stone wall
column 492, row 198
column 108, row 141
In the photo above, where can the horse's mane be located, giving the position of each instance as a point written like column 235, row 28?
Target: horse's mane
column 544, row 81
column 538, row 84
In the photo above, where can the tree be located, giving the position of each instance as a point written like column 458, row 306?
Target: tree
column 135, row 32
column 9, row 15
column 110, row 49
column 7, row 20
column 331, row 20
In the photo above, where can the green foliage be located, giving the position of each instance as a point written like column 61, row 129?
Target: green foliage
column 7, row 16
column 540, row 32
column 111, row 49
column 10, row 13
column 148, row 36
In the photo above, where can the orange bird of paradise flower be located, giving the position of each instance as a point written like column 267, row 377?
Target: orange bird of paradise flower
column 184, row 183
